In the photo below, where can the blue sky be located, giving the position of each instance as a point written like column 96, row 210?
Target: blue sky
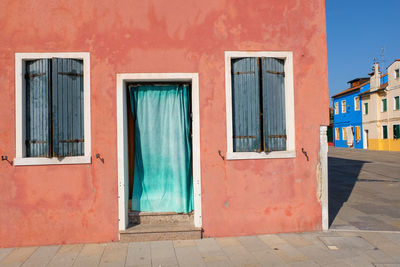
column 356, row 31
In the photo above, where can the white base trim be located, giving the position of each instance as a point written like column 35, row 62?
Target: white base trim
column 122, row 136
column 52, row 161
column 323, row 159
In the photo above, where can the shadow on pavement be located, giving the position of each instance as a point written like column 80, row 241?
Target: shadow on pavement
column 342, row 176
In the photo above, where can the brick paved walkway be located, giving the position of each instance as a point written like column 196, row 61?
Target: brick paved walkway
column 333, row 248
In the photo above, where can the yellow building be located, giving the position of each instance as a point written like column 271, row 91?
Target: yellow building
column 381, row 110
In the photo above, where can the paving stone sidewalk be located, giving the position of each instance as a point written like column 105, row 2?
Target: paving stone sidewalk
column 333, row 248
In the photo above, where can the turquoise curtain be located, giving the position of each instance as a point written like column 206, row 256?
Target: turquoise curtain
column 163, row 170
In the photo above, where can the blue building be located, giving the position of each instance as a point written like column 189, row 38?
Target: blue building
column 347, row 129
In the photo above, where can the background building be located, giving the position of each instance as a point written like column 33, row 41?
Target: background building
column 347, row 114
column 381, row 110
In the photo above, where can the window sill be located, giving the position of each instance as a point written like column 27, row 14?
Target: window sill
column 261, row 155
column 52, row 161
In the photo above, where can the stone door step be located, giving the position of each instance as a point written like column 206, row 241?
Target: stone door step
column 137, row 217
column 161, row 231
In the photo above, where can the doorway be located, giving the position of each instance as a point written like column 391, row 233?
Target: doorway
column 160, row 147
column 123, row 80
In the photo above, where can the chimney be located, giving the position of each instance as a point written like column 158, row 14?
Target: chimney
column 375, row 79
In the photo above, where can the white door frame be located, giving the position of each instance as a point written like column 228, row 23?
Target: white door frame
column 122, row 138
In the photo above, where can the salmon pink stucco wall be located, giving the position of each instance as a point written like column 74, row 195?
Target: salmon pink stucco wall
column 79, row 203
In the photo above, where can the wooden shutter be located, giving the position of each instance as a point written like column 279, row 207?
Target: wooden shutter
column 396, row 131
column 273, row 95
column 67, row 107
column 246, row 105
column 384, row 105
column 37, row 79
column 385, row 133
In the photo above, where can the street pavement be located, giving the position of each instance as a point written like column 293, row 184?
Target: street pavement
column 332, row 248
column 364, row 189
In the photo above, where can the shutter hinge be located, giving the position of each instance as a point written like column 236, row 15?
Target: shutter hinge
column 27, row 142
column 277, row 136
column 275, row 72
column 243, row 72
column 33, row 75
column 245, row 136
column 71, row 73
column 72, row 141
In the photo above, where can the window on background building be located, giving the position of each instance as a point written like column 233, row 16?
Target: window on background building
column 336, row 108
column 396, row 131
column 343, row 106
column 384, row 105
column 358, row 133
column 385, row 132
column 365, row 108
column 396, row 103
column 356, row 103
column 396, row 73
column 344, row 133
column 53, row 127
column 260, row 93
column 337, row 135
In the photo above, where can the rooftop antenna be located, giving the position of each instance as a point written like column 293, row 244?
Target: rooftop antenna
column 373, row 64
column 383, row 58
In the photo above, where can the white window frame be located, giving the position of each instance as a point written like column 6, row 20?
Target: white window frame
column 396, row 74
column 20, row 149
column 337, row 134
column 356, row 103
column 345, row 107
column 336, row 108
column 290, row 151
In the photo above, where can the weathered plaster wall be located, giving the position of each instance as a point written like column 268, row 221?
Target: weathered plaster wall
column 69, row 204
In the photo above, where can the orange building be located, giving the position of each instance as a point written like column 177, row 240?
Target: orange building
column 230, row 134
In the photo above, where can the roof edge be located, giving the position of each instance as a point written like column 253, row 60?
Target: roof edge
column 351, row 89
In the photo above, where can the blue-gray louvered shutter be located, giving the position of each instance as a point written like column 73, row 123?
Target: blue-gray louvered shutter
column 37, row 78
column 245, row 105
column 273, row 91
column 68, row 124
